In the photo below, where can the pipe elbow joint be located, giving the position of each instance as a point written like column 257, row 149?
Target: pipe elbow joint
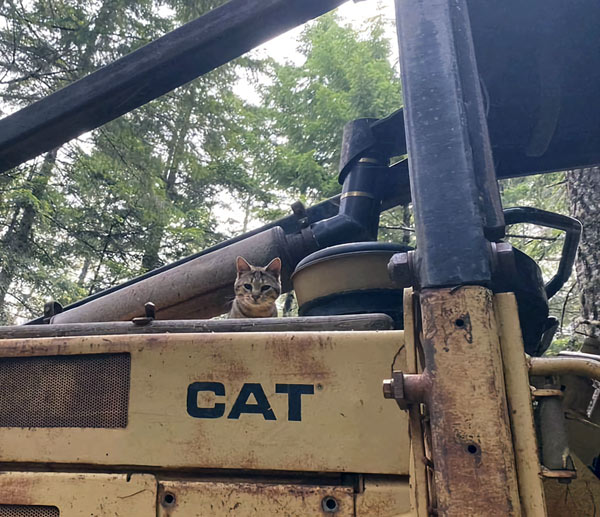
column 340, row 229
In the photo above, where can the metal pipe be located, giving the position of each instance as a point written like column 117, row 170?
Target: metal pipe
column 582, row 366
column 312, row 323
column 178, row 57
column 518, row 394
column 290, row 224
column 554, row 440
column 360, row 206
column 200, row 288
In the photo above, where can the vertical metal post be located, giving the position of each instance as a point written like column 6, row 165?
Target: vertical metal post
column 457, row 208
column 453, row 187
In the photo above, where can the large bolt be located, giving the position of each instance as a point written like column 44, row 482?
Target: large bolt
column 394, row 388
column 407, row 388
column 400, row 270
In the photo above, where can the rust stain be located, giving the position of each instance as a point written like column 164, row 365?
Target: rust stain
column 469, row 424
column 132, row 495
column 300, row 356
column 17, row 489
column 253, row 499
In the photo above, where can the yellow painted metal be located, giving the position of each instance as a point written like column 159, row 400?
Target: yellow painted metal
column 418, row 470
column 380, row 497
column 531, row 490
column 82, row 495
column 118, row 495
column 384, row 497
column 220, row 499
column 346, row 424
column 334, row 275
column 579, row 498
column 564, row 365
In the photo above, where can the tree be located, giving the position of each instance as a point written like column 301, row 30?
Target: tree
column 40, row 50
column 133, row 194
column 346, row 74
column 584, row 199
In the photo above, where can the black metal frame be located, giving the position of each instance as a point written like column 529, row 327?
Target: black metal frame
column 448, row 145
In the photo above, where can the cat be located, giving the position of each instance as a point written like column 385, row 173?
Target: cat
column 256, row 289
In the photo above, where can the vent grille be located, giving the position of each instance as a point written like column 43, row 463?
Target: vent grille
column 89, row 390
column 17, row 510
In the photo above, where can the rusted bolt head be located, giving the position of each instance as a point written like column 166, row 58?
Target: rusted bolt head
column 388, row 388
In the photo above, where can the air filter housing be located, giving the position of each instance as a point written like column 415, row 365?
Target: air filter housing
column 349, row 279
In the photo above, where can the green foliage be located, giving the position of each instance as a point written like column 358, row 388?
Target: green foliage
column 132, row 195
column 346, row 74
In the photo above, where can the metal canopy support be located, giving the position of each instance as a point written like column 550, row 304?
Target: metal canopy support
column 178, row 57
column 456, row 204
column 455, row 195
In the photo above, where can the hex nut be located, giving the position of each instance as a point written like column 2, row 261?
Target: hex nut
column 400, row 271
column 388, row 388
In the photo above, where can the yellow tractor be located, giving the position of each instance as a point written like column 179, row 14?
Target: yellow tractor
column 413, row 381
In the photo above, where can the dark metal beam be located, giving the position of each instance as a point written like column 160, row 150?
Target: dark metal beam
column 194, row 49
column 447, row 142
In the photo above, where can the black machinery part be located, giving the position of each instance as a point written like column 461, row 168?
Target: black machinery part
column 526, row 280
column 572, row 228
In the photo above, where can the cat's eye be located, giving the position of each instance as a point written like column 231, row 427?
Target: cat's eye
column 265, row 288
column 248, row 287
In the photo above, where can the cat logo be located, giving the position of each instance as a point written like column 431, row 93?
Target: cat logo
column 241, row 405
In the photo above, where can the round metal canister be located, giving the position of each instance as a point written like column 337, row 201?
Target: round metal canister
column 349, row 279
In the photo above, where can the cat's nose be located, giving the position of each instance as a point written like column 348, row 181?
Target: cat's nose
column 256, row 296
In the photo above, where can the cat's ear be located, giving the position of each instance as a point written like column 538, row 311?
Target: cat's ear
column 242, row 265
column 274, row 267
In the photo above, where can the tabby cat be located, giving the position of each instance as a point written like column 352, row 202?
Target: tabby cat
column 256, row 289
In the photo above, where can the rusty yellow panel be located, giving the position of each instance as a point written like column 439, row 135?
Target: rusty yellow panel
column 207, row 499
column 80, row 495
column 384, row 497
column 286, row 401
column 579, row 498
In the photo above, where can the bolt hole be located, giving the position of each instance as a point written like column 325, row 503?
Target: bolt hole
column 330, row 504
column 460, row 323
column 472, row 449
column 168, row 499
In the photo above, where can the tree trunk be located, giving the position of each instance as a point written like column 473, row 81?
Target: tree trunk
column 584, row 198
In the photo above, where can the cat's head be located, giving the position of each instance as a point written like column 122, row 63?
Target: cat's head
column 257, row 286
